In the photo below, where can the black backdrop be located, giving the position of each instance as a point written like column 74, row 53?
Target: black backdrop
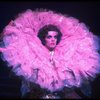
column 87, row 12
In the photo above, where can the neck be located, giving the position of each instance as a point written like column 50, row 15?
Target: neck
column 51, row 49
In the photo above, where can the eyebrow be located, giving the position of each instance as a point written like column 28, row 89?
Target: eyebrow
column 51, row 36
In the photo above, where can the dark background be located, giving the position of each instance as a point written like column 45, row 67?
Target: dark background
column 87, row 12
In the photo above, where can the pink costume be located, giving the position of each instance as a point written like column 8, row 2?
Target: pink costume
column 75, row 57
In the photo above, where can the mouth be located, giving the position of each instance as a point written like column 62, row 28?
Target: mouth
column 52, row 43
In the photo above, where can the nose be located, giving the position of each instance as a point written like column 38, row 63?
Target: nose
column 53, row 39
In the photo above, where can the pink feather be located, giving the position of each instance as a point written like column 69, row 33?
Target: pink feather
column 75, row 56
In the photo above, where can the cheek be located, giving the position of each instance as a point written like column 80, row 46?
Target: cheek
column 56, row 40
column 47, row 41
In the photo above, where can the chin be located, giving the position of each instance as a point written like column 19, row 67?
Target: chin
column 52, row 47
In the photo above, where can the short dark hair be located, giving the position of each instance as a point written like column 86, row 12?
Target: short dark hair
column 42, row 33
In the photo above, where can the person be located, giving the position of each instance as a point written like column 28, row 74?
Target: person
column 58, row 54
column 50, row 36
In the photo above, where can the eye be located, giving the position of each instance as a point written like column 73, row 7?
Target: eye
column 55, row 37
column 48, row 36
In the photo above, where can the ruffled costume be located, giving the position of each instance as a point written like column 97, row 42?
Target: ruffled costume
column 75, row 58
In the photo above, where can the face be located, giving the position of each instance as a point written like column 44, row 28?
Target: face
column 51, row 40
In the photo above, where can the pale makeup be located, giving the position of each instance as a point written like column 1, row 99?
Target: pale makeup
column 51, row 40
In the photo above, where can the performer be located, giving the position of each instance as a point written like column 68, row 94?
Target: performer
column 52, row 53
